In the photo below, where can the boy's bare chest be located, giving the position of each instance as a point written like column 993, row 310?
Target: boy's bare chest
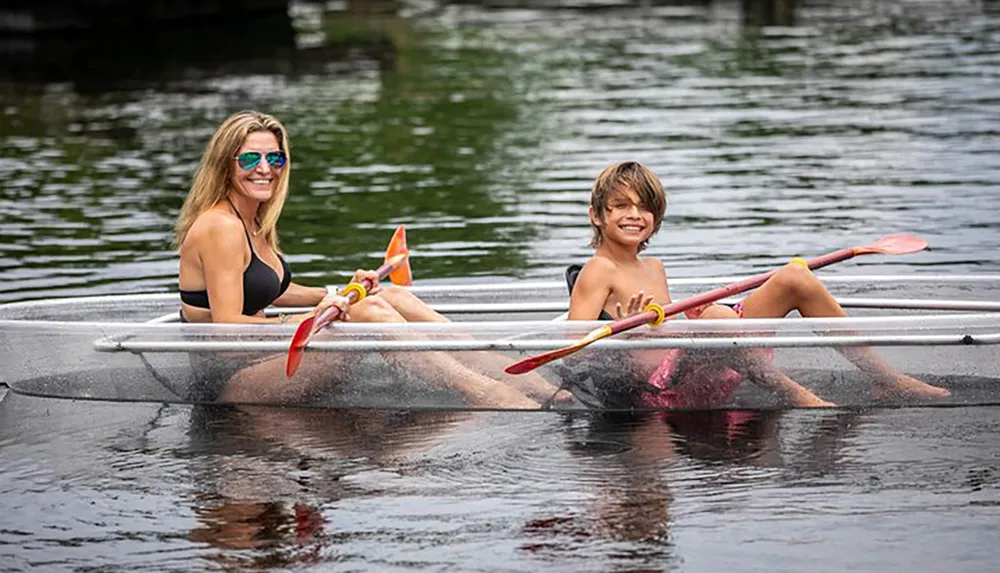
column 628, row 282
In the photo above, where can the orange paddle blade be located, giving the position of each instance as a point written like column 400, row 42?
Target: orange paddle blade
column 894, row 245
column 400, row 275
column 530, row 363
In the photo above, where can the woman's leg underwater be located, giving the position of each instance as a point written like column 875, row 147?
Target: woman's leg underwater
column 265, row 382
column 492, row 364
column 440, row 367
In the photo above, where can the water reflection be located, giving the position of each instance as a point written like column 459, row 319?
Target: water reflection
column 481, row 129
column 249, row 488
column 264, row 477
column 637, row 466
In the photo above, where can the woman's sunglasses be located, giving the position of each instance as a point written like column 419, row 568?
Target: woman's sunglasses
column 250, row 159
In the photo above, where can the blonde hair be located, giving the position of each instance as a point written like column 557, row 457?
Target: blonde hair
column 213, row 182
column 627, row 175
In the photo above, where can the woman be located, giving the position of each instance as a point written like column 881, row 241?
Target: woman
column 231, row 269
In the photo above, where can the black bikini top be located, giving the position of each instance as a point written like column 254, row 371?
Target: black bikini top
column 572, row 272
column 261, row 286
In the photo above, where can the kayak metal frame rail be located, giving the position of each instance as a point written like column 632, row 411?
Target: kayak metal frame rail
column 958, row 339
column 708, row 281
column 846, row 302
column 563, row 306
column 560, row 286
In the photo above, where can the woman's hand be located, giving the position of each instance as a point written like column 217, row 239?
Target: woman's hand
column 337, row 300
column 361, row 275
column 638, row 302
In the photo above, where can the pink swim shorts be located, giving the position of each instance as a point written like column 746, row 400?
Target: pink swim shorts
column 702, row 385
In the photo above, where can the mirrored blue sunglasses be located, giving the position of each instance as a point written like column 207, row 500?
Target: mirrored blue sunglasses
column 250, row 159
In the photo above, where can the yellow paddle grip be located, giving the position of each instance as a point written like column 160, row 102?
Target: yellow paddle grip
column 660, row 316
column 800, row 261
column 355, row 287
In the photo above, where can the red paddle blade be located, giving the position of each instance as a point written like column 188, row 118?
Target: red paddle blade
column 532, row 362
column 297, row 348
column 894, row 245
column 401, row 275
column 397, row 257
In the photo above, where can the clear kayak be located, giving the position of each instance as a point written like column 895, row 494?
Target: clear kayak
column 944, row 330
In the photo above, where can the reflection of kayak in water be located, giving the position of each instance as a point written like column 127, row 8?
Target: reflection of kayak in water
column 133, row 348
column 263, row 477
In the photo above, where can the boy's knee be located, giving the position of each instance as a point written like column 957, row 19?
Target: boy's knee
column 717, row 311
column 796, row 279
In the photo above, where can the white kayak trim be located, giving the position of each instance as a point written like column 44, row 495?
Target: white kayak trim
column 563, row 306
column 473, row 288
column 106, row 345
column 844, row 279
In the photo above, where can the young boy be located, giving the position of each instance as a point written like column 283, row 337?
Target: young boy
column 627, row 204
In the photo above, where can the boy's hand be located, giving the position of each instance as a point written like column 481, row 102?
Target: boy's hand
column 694, row 313
column 638, row 302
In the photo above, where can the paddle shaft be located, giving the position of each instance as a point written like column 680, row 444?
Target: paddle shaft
column 648, row 316
column 729, row 290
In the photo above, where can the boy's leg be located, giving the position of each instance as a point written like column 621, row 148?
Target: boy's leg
column 795, row 287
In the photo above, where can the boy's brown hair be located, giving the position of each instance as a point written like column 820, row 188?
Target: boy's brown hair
column 637, row 177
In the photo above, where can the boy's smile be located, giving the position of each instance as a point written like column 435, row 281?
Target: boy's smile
column 626, row 220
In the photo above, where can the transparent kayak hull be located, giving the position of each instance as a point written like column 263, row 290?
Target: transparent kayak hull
column 945, row 331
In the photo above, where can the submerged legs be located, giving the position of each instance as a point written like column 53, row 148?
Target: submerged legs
column 794, row 287
column 492, row 364
column 756, row 364
column 480, row 390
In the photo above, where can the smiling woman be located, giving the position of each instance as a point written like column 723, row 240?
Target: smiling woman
column 231, row 269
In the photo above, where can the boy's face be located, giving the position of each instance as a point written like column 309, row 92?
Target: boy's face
column 625, row 220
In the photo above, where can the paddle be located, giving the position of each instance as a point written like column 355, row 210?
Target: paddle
column 887, row 245
column 396, row 266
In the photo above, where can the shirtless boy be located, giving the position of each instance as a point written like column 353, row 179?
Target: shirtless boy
column 627, row 205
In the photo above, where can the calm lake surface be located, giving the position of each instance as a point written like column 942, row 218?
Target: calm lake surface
column 778, row 133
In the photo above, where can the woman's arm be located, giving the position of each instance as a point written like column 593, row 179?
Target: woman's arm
column 300, row 295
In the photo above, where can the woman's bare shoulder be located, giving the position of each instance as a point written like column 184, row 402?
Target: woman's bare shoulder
column 215, row 227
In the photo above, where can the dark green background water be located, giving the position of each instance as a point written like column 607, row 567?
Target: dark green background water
column 481, row 129
column 821, row 126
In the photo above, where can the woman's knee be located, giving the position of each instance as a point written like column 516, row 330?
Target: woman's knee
column 374, row 309
column 395, row 295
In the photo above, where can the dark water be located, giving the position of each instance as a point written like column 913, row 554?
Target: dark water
column 778, row 132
